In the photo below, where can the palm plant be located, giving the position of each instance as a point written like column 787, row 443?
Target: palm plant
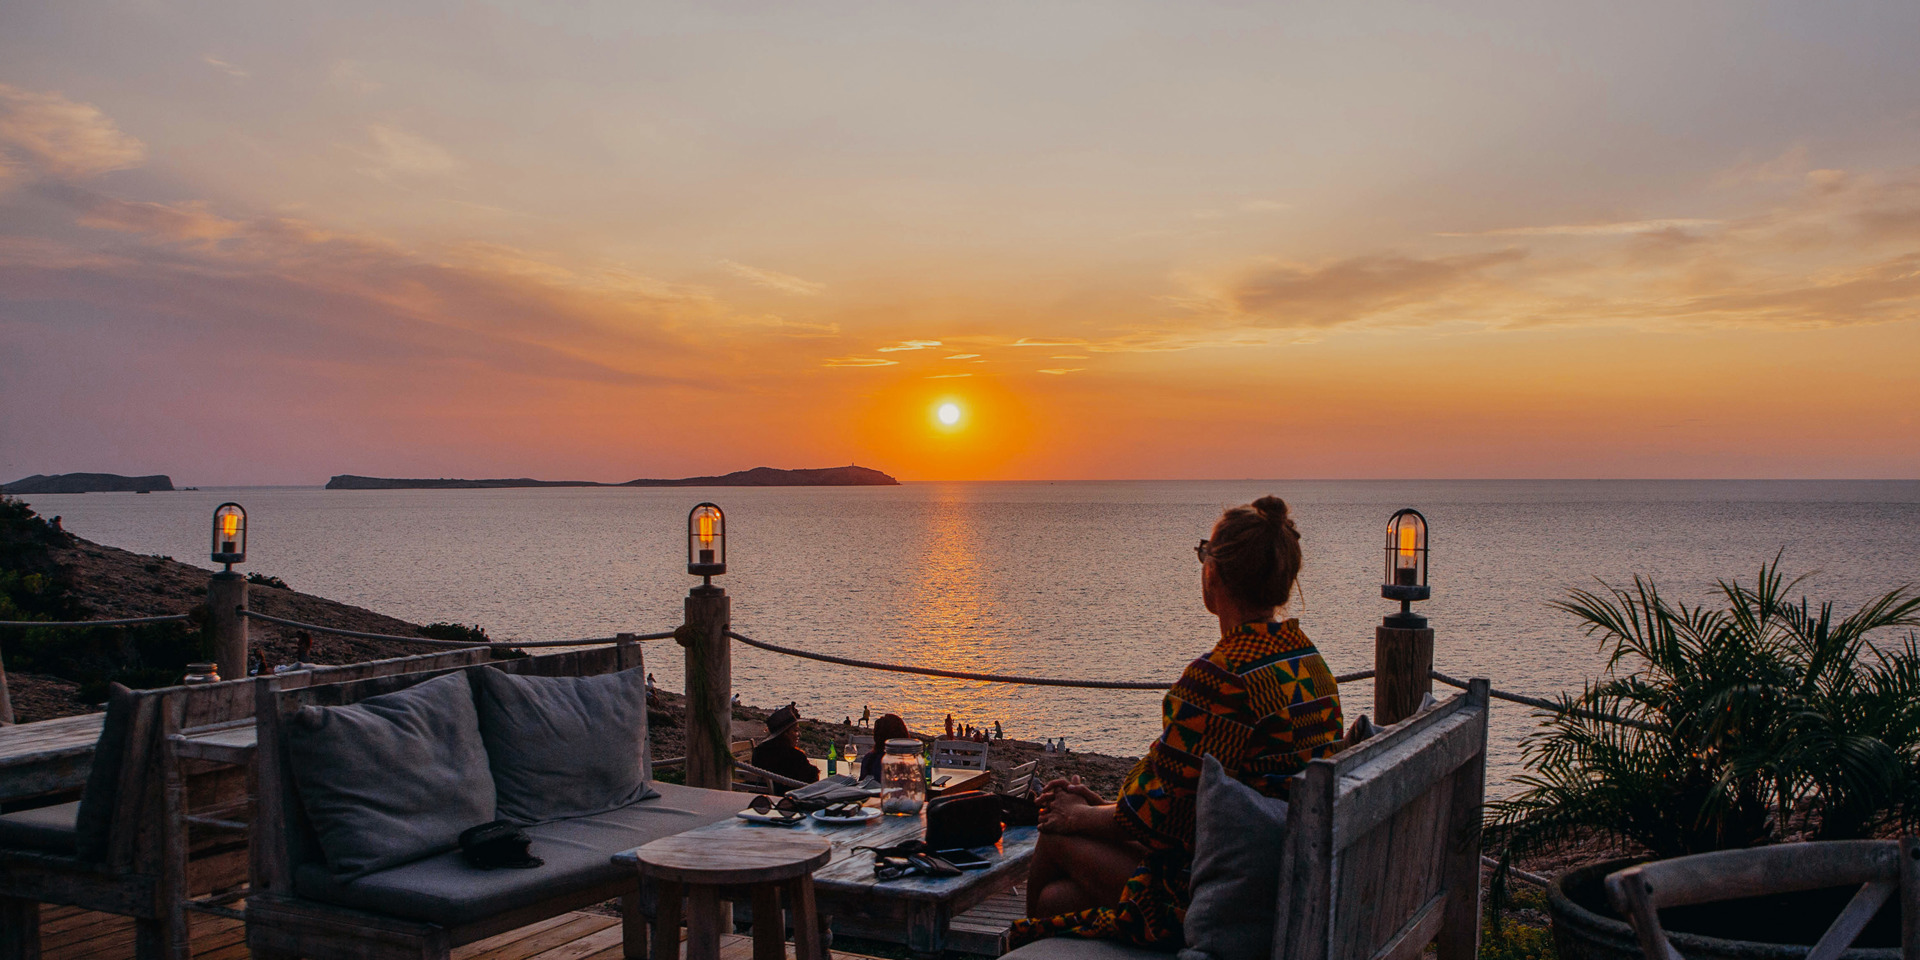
column 1725, row 726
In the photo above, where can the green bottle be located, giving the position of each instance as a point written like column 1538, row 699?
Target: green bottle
column 833, row 759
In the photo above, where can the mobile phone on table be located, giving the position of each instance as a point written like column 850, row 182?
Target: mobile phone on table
column 964, row 859
column 941, row 780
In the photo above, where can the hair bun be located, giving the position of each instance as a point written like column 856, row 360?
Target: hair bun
column 1273, row 508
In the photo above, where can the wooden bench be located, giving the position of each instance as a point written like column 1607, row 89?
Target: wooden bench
column 282, row 922
column 1383, row 843
column 180, row 801
column 1382, row 848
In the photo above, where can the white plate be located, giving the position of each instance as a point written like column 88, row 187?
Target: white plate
column 866, row 813
column 769, row 818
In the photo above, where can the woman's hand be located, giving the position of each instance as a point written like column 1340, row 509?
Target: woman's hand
column 1071, row 815
column 1069, row 787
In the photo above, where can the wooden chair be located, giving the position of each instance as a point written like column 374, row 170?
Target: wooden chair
column 177, row 840
column 1018, row 781
column 1882, row 868
column 960, row 754
column 862, row 744
column 1382, row 852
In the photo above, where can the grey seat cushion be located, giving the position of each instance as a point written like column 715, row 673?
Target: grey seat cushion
column 578, row 854
column 564, row 746
column 46, row 829
column 1239, row 836
column 1076, row 948
column 392, row 778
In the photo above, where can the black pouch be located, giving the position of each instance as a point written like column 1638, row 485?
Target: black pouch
column 1018, row 811
column 959, row 820
column 500, row 843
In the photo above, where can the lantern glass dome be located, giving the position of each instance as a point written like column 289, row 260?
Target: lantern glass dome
column 229, row 534
column 1406, row 557
column 706, row 541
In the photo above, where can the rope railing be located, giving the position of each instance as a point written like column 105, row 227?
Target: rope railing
column 128, row 622
column 432, row 642
column 982, row 677
column 1549, row 705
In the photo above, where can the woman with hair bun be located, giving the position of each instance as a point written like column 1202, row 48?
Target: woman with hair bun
column 1262, row 702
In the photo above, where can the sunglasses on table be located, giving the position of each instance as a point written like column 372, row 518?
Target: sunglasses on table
column 783, row 809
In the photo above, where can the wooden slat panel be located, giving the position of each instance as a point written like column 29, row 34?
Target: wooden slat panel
column 1371, row 792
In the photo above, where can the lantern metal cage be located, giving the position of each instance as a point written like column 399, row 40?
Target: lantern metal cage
column 229, row 534
column 1405, row 579
column 706, row 541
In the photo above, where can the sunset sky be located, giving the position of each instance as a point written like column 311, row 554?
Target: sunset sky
column 266, row 243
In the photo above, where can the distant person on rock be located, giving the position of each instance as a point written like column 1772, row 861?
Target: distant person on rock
column 1262, row 702
column 780, row 752
column 888, row 727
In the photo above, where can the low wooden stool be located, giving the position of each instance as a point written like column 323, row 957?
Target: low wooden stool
column 700, row 867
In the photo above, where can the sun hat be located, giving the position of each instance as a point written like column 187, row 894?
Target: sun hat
column 779, row 720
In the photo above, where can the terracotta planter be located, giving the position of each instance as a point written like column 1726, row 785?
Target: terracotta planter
column 1586, row 928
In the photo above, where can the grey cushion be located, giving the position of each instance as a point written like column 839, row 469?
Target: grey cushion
column 1076, row 948
column 564, row 746
column 1239, row 836
column 392, row 778
column 578, row 855
column 46, row 829
column 93, row 825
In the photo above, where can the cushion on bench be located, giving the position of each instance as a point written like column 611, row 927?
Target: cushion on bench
column 578, row 854
column 45, row 829
column 564, row 746
column 1239, row 837
column 1075, row 948
column 394, row 777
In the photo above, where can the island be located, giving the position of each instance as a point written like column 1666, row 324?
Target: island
column 88, row 483
column 848, row 476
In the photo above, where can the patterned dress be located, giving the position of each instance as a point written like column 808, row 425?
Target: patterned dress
column 1263, row 703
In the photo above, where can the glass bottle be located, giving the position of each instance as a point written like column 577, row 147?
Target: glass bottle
column 833, row 757
column 903, row 782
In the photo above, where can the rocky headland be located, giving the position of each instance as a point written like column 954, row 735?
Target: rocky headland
column 848, row 476
column 87, row 483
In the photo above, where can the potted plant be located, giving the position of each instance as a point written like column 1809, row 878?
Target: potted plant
column 1754, row 719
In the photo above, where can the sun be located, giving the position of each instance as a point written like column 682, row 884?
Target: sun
column 949, row 413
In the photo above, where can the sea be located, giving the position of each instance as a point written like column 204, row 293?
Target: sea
column 1092, row 580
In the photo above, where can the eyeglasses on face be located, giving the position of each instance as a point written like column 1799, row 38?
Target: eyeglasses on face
column 1203, row 551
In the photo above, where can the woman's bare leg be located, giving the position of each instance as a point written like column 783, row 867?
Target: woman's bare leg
column 1077, row 873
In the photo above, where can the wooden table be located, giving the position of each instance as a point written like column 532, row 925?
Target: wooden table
column 48, row 756
column 706, row 866
column 963, row 778
column 911, row 910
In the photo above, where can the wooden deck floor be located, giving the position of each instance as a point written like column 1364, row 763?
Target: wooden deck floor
column 70, row 934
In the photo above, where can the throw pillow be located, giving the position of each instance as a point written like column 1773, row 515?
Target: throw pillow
column 1238, row 838
column 564, row 746
column 392, row 778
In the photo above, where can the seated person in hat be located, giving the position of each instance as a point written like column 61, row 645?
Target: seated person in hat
column 780, row 752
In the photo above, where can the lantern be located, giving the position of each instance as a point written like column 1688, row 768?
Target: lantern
column 229, row 534
column 706, row 541
column 1405, row 579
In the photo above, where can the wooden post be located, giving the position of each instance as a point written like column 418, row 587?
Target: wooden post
column 6, row 699
column 226, row 597
column 1402, row 672
column 709, row 688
